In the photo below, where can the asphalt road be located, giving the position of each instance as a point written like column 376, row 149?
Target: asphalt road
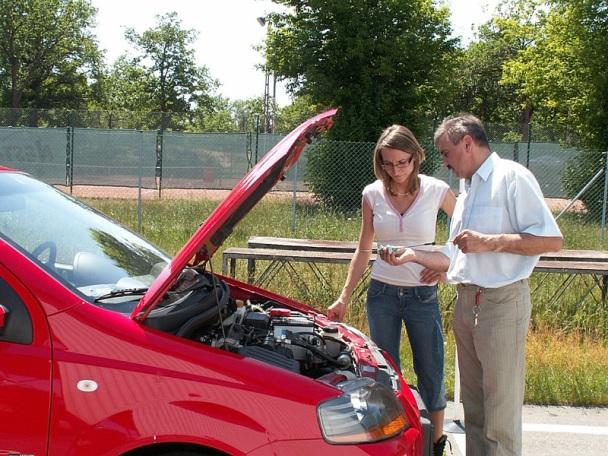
column 548, row 430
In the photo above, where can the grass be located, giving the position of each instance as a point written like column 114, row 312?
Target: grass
column 567, row 352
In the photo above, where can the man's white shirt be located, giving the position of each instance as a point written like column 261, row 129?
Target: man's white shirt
column 503, row 198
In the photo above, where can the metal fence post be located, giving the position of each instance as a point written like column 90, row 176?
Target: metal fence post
column 456, row 425
column 159, row 161
column 68, row 159
column 294, row 198
column 139, row 178
column 603, row 228
column 528, row 149
column 257, row 137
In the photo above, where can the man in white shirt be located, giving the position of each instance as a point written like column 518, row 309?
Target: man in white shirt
column 500, row 226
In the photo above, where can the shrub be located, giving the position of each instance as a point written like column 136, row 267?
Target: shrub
column 337, row 171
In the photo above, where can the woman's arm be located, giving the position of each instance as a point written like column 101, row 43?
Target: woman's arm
column 448, row 203
column 358, row 264
column 436, row 261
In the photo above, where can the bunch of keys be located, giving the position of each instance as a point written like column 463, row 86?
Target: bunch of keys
column 476, row 307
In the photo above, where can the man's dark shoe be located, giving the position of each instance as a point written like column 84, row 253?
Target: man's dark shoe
column 439, row 445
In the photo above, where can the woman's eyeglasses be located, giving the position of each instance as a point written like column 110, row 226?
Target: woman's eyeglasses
column 399, row 164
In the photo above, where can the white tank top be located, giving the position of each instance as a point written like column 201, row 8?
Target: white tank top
column 416, row 226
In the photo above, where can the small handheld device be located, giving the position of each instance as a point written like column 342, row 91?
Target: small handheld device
column 394, row 249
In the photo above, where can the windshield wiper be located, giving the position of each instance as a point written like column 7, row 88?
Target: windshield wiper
column 119, row 293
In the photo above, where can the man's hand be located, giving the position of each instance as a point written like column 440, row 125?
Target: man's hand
column 518, row 243
column 336, row 311
column 430, row 276
column 469, row 241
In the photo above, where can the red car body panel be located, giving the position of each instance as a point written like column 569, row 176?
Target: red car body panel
column 94, row 381
column 152, row 388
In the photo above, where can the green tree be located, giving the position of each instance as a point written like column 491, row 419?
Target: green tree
column 564, row 75
column 48, row 53
column 217, row 118
column 249, row 114
column 481, row 86
column 174, row 80
column 377, row 61
column 380, row 62
column 126, row 87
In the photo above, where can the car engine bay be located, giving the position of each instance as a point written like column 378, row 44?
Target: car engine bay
column 199, row 307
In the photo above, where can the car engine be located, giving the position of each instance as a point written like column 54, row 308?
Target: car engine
column 282, row 337
column 199, row 307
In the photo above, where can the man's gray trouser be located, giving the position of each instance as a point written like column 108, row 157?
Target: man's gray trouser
column 491, row 359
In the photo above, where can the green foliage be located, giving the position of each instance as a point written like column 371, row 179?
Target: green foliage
column 337, row 171
column 249, row 114
column 563, row 71
column 545, row 61
column 565, row 75
column 218, row 117
column 479, row 86
column 336, row 175
column 125, row 87
column 165, row 68
column 378, row 61
column 48, row 54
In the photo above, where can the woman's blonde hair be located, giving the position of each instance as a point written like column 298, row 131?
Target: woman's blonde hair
column 401, row 138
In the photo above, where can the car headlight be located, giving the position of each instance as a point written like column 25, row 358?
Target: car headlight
column 367, row 412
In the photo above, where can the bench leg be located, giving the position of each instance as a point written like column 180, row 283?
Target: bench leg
column 250, row 270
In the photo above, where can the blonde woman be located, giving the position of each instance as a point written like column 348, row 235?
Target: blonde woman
column 400, row 209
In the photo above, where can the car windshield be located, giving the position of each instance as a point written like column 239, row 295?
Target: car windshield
column 74, row 242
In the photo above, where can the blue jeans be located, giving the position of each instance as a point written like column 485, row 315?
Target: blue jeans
column 418, row 308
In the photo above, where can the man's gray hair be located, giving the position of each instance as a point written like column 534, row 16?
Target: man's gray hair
column 457, row 126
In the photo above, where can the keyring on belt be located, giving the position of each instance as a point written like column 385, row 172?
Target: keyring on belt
column 476, row 306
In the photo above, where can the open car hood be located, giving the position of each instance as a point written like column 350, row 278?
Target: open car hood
column 246, row 194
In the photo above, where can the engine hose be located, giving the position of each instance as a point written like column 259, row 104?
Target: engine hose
column 316, row 351
column 204, row 318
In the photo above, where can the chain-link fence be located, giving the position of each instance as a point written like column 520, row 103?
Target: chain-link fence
column 331, row 172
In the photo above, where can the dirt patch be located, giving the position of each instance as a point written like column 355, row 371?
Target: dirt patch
column 558, row 204
column 103, row 191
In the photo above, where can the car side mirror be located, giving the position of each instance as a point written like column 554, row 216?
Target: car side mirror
column 3, row 313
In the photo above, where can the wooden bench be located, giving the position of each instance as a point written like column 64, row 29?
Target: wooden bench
column 282, row 252
column 283, row 259
column 317, row 245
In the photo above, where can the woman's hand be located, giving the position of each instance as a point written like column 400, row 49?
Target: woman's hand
column 398, row 258
column 337, row 310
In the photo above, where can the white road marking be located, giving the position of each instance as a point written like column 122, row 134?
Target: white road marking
column 566, row 428
column 460, row 440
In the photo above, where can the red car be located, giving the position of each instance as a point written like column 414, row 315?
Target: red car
column 108, row 346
